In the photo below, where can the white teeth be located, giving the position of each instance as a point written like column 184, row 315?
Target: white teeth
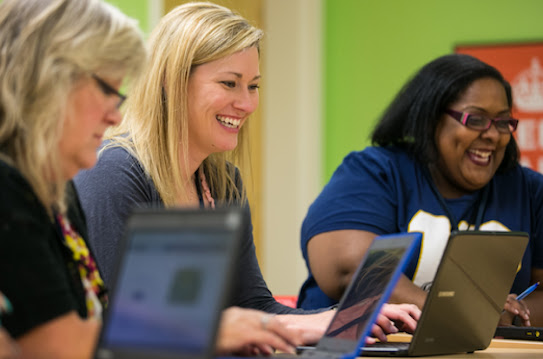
column 229, row 122
column 483, row 154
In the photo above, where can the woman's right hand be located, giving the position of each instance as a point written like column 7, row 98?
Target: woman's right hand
column 252, row 332
column 515, row 308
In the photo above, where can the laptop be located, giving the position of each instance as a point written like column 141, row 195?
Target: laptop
column 519, row 333
column 467, row 296
column 370, row 287
column 171, row 284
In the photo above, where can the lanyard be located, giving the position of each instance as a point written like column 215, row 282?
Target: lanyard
column 481, row 204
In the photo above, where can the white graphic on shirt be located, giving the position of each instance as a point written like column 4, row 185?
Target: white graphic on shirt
column 435, row 234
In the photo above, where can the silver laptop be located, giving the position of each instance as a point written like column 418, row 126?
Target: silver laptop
column 370, row 287
column 467, row 296
column 171, row 284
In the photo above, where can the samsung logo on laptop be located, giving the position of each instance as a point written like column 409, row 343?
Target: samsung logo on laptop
column 446, row 294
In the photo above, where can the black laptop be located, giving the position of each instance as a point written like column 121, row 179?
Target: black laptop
column 171, row 284
column 519, row 333
column 467, row 296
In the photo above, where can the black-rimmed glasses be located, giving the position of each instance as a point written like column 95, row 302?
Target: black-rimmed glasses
column 108, row 90
column 483, row 123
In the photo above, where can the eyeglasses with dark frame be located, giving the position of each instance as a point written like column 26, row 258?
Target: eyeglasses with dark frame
column 483, row 123
column 108, row 90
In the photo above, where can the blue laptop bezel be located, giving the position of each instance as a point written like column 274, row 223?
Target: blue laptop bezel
column 331, row 344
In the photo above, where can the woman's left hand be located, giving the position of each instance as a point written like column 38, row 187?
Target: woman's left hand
column 394, row 318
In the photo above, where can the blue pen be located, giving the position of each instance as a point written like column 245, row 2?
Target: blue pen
column 528, row 290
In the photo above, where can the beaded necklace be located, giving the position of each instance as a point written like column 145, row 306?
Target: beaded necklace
column 205, row 187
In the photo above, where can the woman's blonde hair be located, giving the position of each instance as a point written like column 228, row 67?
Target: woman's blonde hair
column 46, row 47
column 155, row 128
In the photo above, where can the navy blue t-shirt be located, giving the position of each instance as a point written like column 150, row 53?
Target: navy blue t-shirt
column 384, row 190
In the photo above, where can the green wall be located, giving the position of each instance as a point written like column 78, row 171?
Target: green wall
column 372, row 47
column 137, row 9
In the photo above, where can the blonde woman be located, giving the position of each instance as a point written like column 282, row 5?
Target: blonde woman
column 185, row 124
column 61, row 65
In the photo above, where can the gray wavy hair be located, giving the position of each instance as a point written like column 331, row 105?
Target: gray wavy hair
column 46, row 46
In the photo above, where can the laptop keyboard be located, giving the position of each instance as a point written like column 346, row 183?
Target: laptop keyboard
column 318, row 354
column 308, row 354
column 393, row 345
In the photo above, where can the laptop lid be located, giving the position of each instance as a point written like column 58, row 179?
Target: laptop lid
column 467, row 296
column 171, row 282
column 370, row 287
column 469, row 291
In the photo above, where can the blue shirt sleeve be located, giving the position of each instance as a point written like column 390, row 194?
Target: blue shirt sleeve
column 362, row 194
column 535, row 184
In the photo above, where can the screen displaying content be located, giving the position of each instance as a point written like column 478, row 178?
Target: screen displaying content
column 166, row 292
column 366, row 290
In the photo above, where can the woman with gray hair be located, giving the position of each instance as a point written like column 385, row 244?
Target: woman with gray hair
column 62, row 63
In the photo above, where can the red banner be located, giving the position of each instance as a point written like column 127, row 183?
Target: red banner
column 522, row 66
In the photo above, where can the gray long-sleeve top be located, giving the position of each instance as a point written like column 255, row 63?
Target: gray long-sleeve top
column 115, row 186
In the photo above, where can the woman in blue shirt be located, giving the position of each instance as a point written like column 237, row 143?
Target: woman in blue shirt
column 443, row 158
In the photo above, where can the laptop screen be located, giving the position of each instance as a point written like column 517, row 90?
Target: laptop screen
column 370, row 287
column 367, row 289
column 169, row 289
column 164, row 295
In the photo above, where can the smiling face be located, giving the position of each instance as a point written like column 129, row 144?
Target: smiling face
column 89, row 113
column 221, row 96
column 468, row 159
